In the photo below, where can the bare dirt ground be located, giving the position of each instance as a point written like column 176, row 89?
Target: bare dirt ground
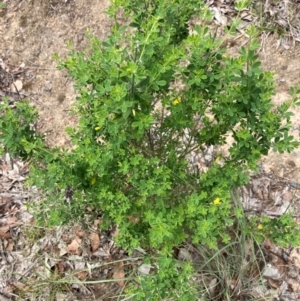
column 31, row 31
column 286, row 65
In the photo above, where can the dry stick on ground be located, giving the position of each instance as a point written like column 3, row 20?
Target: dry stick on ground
column 35, row 67
column 26, row 96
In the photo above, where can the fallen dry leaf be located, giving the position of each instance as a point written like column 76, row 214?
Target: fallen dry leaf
column 295, row 257
column 288, row 196
column 73, row 247
column 10, row 245
column 115, row 232
column 4, row 232
column 269, row 245
column 294, row 285
column 274, row 283
column 65, row 237
column 82, row 275
column 212, row 287
column 19, row 285
column 119, row 273
column 234, row 284
column 11, row 220
column 133, row 219
column 79, row 232
column 61, row 267
column 280, row 264
column 95, row 241
column 97, row 222
column 221, row 18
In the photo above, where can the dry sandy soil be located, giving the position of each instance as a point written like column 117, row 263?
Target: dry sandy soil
column 31, row 31
column 285, row 64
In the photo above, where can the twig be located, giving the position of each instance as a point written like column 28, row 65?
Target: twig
column 150, row 141
column 33, row 67
column 18, row 72
column 40, row 68
column 21, row 3
column 26, row 96
column 37, row 101
column 271, row 213
column 3, row 298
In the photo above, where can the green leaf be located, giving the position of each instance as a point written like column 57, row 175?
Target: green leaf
column 161, row 83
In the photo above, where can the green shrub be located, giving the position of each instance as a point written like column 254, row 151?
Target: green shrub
column 139, row 94
column 129, row 161
column 169, row 280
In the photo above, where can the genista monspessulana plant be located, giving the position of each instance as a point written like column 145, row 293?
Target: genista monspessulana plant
column 139, row 94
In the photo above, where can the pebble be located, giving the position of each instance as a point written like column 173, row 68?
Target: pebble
column 144, row 269
column 48, row 89
column 295, row 185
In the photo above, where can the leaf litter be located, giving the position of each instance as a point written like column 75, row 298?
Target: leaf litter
column 30, row 254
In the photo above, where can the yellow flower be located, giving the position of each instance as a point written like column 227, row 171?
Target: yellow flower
column 97, row 128
column 177, row 101
column 217, row 201
column 260, row 226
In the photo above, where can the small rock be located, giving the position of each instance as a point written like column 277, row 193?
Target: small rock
column 48, row 89
column 144, row 269
column 272, row 272
column 295, row 185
